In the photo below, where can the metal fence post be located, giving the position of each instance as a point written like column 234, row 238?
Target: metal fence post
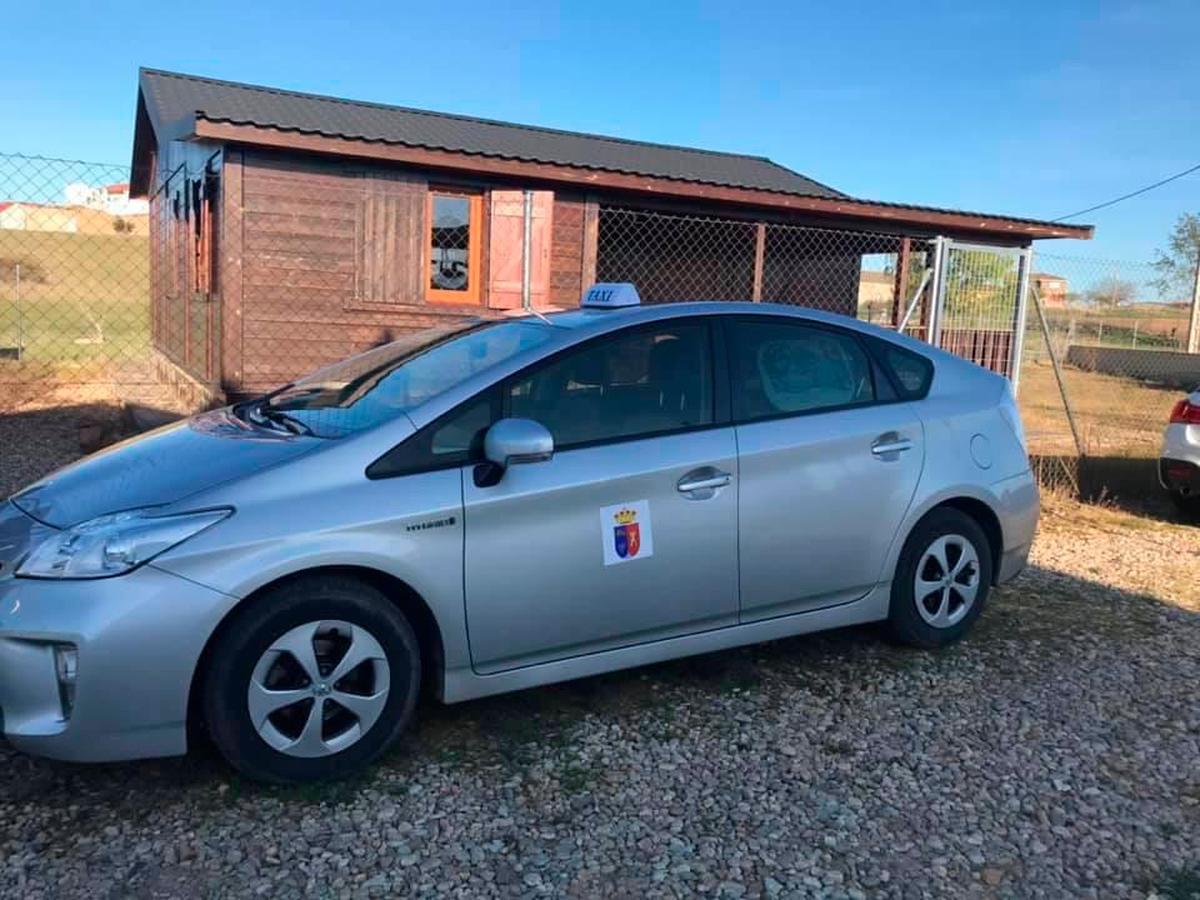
column 1058, row 375
column 20, row 317
column 1025, row 265
column 1193, row 335
column 937, row 290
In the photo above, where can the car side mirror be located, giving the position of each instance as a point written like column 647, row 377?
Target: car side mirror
column 512, row 442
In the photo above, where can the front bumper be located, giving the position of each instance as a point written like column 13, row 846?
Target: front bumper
column 139, row 638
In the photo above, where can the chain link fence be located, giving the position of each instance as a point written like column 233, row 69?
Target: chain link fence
column 74, row 283
column 98, row 289
column 1118, row 332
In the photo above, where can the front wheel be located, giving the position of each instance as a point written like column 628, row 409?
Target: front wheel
column 942, row 580
column 313, row 680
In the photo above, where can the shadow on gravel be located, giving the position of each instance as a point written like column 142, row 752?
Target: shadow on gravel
column 1043, row 612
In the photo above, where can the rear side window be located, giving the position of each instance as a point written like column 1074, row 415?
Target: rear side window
column 781, row 368
column 911, row 371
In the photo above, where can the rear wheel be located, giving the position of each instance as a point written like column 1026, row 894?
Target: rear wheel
column 313, row 680
column 941, row 581
column 1188, row 505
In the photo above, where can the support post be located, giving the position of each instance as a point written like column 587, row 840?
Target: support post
column 1017, row 350
column 591, row 240
column 760, row 255
column 526, row 259
column 1058, row 375
column 937, row 291
column 1193, row 335
column 901, row 281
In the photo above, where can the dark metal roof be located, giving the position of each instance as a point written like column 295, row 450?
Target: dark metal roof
column 174, row 97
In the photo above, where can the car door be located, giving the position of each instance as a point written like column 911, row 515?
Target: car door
column 828, row 462
column 629, row 532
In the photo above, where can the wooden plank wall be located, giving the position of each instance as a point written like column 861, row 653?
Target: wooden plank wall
column 566, row 250
column 331, row 264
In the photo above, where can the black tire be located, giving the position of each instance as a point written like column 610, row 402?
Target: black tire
column 264, row 620
column 1187, row 505
column 905, row 623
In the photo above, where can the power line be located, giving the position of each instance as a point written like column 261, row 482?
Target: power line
column 1143, row 190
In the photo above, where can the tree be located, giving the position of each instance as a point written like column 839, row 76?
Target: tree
column 1111, row 292
column 1176, row 266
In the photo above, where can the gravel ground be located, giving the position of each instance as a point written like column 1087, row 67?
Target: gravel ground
column 1055, row 753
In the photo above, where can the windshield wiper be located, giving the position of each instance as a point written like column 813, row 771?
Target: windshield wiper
column 261, row 411
column 288, row 422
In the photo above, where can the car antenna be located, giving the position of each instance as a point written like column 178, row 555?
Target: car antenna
column 539, row 315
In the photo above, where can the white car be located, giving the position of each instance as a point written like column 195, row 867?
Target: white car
column 1179, row 465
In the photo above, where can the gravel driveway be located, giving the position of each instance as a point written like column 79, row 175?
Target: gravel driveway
column 1056, row 753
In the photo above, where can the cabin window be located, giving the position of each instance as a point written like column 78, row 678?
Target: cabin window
column 455, row 226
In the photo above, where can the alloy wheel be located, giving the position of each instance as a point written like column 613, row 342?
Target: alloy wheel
column 318, row 688
column 947, row 580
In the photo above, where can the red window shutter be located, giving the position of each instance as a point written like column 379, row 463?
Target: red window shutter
column 506, row 243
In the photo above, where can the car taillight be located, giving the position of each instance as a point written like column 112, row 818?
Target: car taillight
column 1185, row 413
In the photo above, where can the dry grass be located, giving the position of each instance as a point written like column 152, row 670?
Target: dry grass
column 1116, row 416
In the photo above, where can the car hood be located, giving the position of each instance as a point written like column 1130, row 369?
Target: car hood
column 159, row 468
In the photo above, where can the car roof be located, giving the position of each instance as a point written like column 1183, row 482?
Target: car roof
column 599, row 321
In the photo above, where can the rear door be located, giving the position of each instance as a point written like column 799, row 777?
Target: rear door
column 828, row 462
column 629, row 533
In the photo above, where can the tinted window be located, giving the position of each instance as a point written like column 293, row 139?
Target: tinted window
column 454, row 439
column 912, row 371
column 779, row 368
column 636, row 383
column 375, row 386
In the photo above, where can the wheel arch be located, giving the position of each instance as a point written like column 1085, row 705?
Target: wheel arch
column 399, row 592
column 985, row 517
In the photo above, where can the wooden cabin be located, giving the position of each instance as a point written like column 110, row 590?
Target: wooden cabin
column 289, row 230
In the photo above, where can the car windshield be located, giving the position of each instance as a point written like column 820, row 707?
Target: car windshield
column 373, row 387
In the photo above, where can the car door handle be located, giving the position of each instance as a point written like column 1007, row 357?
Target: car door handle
column 703, row 480
column 890, row 443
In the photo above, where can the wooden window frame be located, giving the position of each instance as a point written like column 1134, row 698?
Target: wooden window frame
column 474, row 294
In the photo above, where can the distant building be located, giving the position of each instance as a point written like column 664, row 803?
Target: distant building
column 1052, row 289
column 113, row 199
column 20, row 215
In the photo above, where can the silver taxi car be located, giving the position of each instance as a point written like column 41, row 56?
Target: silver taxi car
column 496, row 506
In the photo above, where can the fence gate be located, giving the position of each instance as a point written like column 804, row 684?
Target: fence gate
column 979, row 296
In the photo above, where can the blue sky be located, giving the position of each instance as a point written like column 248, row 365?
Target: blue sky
column 1028, row 108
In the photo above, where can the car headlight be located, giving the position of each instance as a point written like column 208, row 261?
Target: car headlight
column 113, row 544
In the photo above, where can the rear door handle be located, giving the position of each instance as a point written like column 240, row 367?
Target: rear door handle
column 890, row 443
column 707, row 479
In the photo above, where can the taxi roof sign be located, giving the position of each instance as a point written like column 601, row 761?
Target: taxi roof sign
column 611, row 295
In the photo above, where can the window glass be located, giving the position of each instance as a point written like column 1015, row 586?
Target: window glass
column 912, row 371
column 461, row 433
column 638, row 383
column 450, row 243
column 454, row 439
column 375, row 386
column 780, row 368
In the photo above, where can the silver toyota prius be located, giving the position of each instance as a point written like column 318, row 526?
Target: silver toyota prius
column 495, row 506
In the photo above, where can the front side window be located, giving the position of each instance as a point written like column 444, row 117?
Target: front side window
column 780, row 368
column 378, row 385
column 635, row 384
column 454, row 247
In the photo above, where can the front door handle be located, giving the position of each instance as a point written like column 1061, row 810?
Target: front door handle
column 890, row 443
column 701, row 483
